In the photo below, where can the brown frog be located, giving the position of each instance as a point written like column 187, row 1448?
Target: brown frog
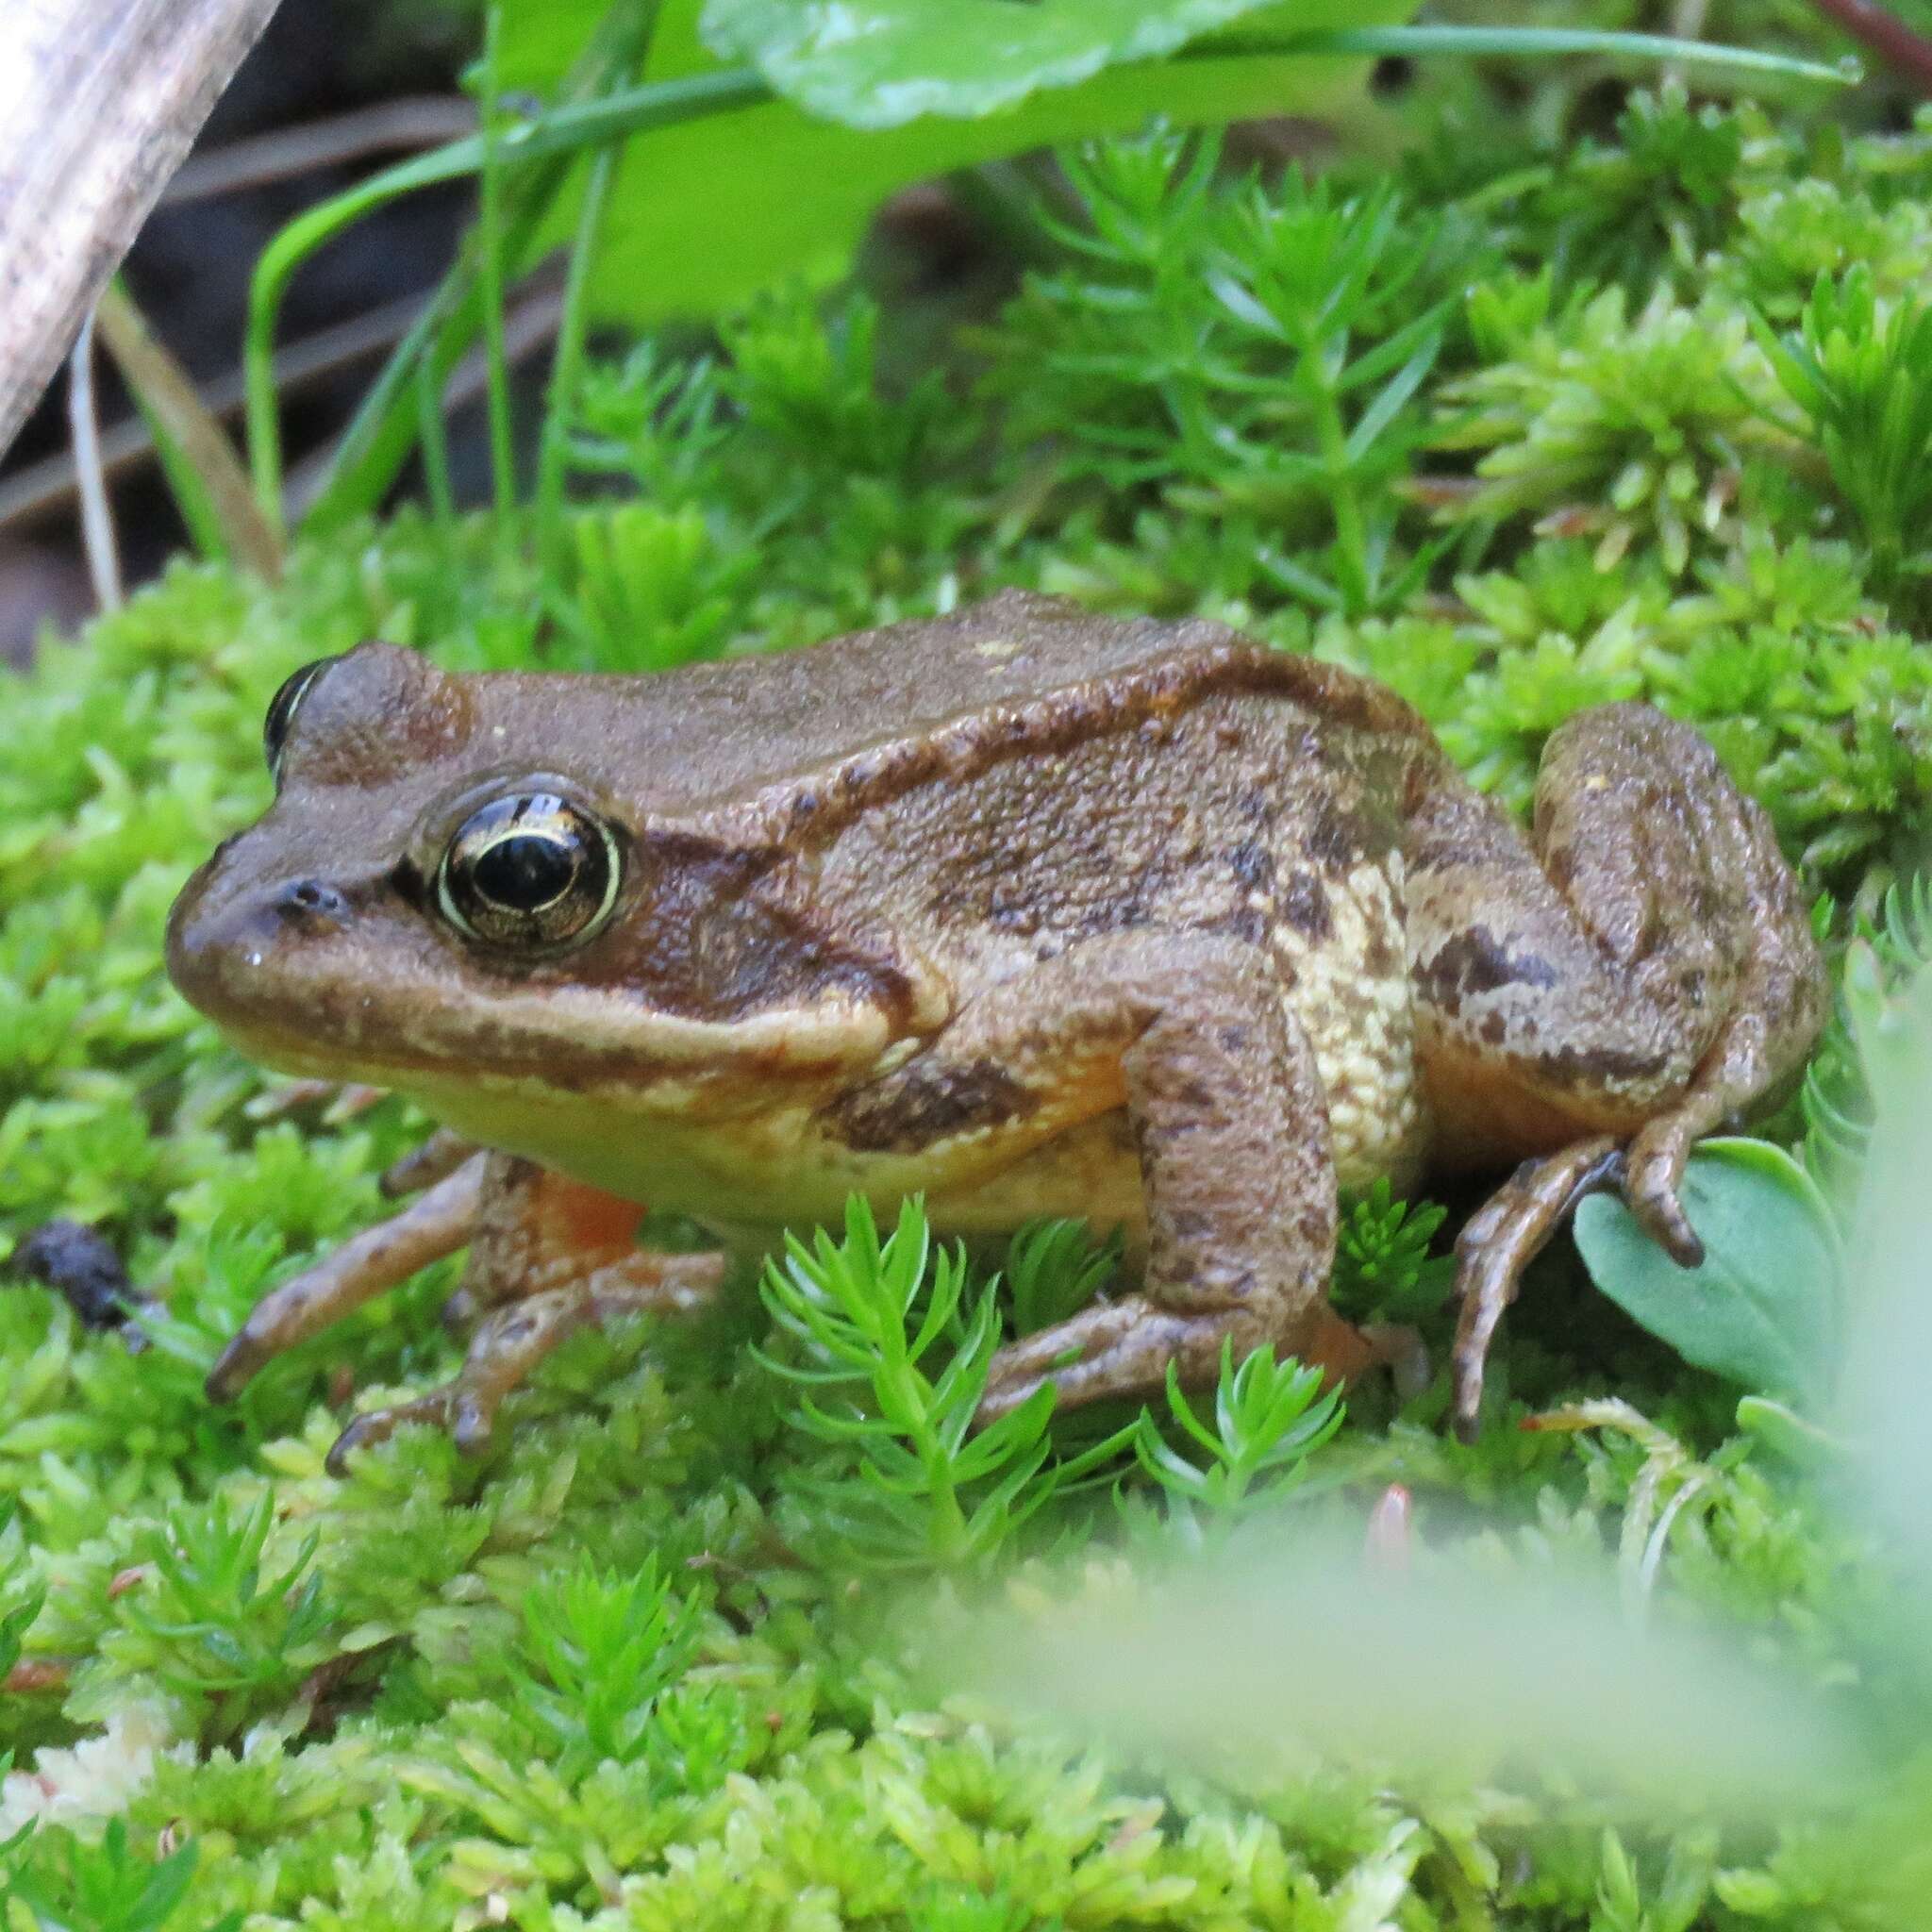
column 1030, row 911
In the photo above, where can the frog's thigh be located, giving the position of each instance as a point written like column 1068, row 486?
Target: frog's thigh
column 1639, row 966
column 1636, row 971
column 1231, row 1131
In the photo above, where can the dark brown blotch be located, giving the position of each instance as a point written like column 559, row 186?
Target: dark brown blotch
column 1604, row 1064
column 1254, row 865
column 1304, row 903
column 1477, row 962
column 925, row 1103
column 1248, row 923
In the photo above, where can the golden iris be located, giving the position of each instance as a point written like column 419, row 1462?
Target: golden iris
column 531, row 871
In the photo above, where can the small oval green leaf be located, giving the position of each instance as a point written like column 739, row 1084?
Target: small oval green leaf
column 1762, row 1309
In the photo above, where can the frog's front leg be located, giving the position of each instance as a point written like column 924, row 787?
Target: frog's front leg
column 547, row 1254
column 1599, row 994
column 355, row 1272
column 1191, row 1034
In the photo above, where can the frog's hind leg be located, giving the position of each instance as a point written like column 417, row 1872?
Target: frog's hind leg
column 1498, row 1243
column 1599, row 994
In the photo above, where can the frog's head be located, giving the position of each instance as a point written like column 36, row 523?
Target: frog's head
column 499, row 884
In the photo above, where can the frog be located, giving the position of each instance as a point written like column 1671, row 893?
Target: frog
column 1022, row 909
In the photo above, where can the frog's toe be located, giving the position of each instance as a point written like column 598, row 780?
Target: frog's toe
column 467, row 1406
column 379, row 1424
column 355, row 1272
column 237, row 1365
column 1114, row 1348
column 1502, row 1239
column 436, row 1159
column 1654, row 1170
column 503, row 1352
column 1500, row 1243
column 512, row 1339
column 1125, row 1348
column 462, row 1312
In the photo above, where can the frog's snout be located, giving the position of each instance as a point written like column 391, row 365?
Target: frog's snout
column 224, row 946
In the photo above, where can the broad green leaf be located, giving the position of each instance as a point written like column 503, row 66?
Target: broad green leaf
column 1763, row 1310
column 879, row 64
column 707, row 214
column 539, row 39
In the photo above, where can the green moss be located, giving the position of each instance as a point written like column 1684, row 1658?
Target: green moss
column 1513, row 453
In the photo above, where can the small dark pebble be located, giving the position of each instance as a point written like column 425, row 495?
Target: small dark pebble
column 76, row 1261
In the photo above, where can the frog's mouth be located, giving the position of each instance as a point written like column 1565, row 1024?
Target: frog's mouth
column 307, row 977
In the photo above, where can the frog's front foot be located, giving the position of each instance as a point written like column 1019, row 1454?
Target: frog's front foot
column 513, row 1339
column 1500, row 1240
column 1115, row 1348
column 1124, row 1348
column 547, row 1254
column 363, row 1267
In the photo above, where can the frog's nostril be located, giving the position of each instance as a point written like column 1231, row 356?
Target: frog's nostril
column 311, row 901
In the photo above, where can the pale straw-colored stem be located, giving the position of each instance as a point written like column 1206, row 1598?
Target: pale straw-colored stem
column 99, row 100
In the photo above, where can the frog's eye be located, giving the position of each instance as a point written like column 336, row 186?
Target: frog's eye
column 281, row 710
column 531, row 872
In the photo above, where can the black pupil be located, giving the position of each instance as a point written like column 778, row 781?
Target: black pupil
column 525, row 872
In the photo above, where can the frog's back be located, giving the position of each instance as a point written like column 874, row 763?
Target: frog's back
column 908, row 678
column 1201, row 783
column 1014, row 667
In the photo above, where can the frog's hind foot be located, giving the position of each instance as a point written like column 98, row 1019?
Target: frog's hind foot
column 513, row 1339
column 1507, row 1234
column 1502, row 1239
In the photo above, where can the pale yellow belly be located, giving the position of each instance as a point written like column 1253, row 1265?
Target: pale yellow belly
column 780, row 1168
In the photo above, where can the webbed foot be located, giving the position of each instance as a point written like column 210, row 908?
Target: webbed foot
column 1506, row 1235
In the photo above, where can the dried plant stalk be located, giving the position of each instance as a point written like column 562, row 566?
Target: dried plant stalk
column 99, row 100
